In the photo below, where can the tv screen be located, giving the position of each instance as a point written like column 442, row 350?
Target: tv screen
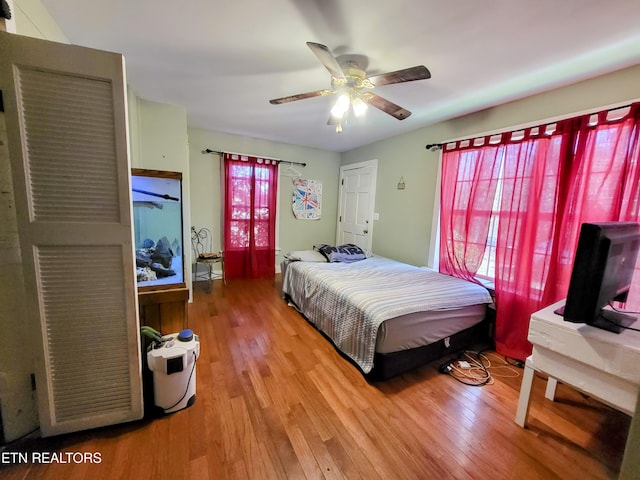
column 602, row 272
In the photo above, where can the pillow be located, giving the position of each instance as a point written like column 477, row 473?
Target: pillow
column 346, row 253
column 305, row 256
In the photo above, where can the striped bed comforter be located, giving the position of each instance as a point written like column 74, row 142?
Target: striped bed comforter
column 349, row 301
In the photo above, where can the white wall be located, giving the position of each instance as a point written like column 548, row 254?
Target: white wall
column 206, row 206
column 410, row 211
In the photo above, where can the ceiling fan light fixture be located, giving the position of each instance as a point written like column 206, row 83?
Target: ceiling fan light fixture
column 359, row 107
column 341, row 106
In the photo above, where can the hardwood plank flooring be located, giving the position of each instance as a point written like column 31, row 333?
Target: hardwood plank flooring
column 276, row 401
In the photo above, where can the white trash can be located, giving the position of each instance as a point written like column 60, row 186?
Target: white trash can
column 173, row 363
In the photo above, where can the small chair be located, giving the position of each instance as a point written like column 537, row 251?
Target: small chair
column 201, row 244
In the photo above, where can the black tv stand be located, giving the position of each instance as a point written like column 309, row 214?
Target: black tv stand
column 608, row 320
column 613, row 321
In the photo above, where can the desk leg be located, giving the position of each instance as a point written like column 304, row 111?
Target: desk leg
column 550, row 392
column 525, row 394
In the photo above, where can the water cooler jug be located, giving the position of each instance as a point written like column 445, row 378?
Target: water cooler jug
column 173, row 363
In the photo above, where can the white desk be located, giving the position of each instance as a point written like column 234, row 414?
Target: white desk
column 599, row 363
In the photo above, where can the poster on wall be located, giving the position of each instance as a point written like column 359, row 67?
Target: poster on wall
column 307, row 199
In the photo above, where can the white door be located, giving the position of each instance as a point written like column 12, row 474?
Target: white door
column 65, row 110
column 356, row 209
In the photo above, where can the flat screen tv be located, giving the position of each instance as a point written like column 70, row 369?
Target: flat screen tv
column 602, row 271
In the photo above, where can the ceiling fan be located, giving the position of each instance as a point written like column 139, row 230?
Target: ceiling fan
column 354, row 87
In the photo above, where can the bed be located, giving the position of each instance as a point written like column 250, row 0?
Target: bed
column 385, row 316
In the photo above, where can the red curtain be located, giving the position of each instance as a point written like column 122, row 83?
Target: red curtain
column 553, row 179
column 250, row 185
column 527, row 223
column 469, row 181
column 604, row 185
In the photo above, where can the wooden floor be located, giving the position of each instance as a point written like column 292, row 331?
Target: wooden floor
column 274, row 400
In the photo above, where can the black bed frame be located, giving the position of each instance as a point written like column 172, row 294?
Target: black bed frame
column 388, row 365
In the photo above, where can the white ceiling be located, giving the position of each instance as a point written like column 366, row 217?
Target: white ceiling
column 224, row 60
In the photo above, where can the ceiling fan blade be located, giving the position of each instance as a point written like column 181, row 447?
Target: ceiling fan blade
column 385, row 105
column 327, row 59
column 300, row 96
column 419, row 72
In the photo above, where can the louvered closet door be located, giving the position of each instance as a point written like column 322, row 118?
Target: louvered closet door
column 66, row 121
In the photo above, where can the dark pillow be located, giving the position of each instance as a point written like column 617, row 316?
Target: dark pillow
column 341, row 253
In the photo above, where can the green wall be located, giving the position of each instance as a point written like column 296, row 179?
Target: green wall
column 33, row 20
column 292, row 234
column 405, row 229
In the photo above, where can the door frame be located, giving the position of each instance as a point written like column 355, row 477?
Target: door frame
column 354, row 166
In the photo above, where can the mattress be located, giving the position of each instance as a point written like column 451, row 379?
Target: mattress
column 349, row 302
column 424, row 328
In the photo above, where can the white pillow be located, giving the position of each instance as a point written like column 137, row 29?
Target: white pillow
column 306, row 256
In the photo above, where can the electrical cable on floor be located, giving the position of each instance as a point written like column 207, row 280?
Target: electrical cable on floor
column 476, row 369
column 514, row 362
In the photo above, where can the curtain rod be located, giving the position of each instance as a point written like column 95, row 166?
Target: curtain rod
column 537, row 123
column 208, row 150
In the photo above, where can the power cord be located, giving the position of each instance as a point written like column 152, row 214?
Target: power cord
column 620, row 310
column 474, row 368
column 514, row 362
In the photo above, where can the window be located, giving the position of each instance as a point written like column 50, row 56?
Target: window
column 511, row 211
column 249, row 216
